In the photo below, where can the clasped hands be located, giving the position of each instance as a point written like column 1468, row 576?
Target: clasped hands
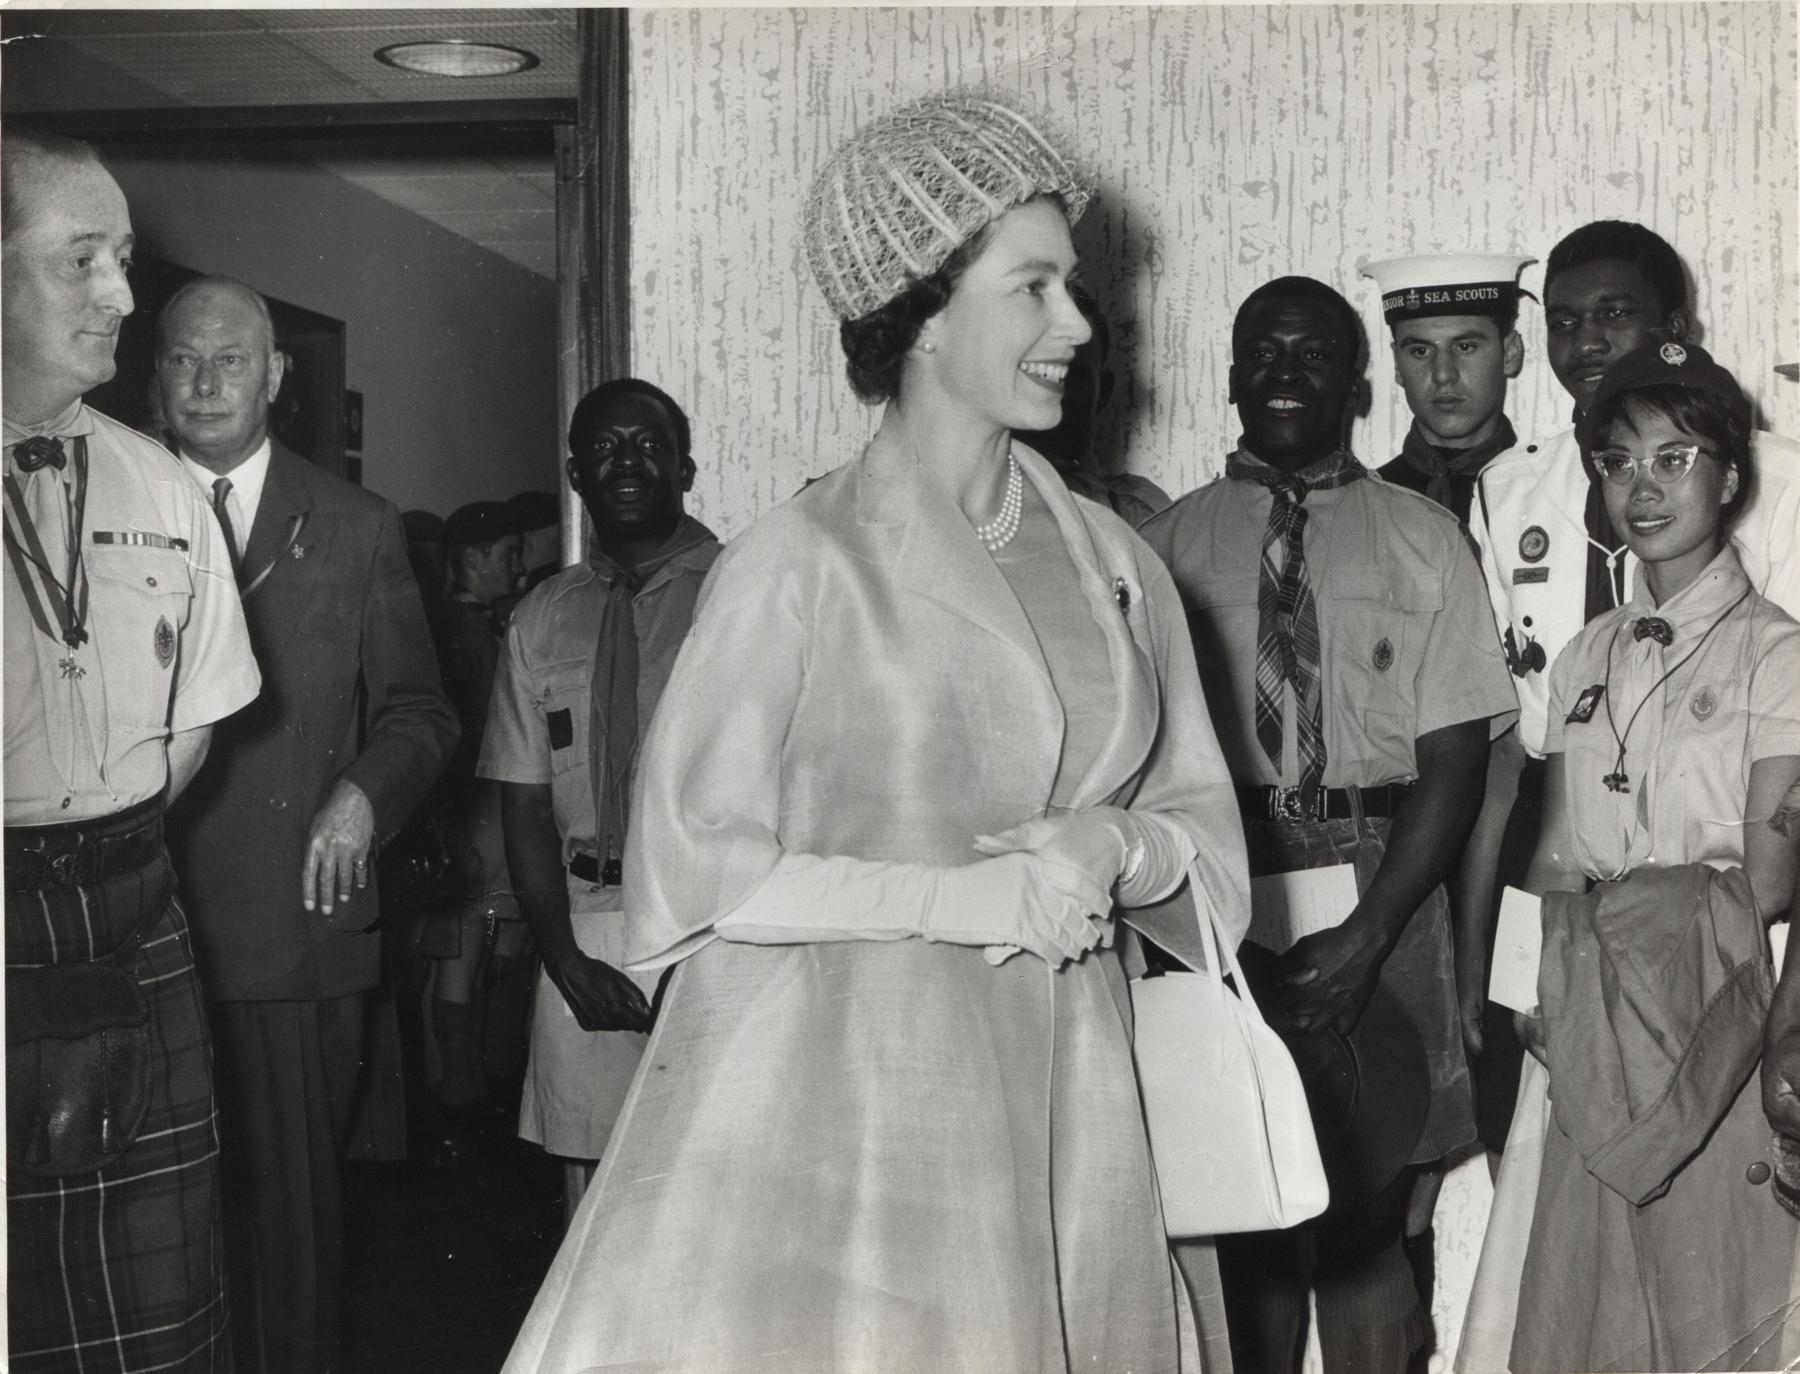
column 1066, row 866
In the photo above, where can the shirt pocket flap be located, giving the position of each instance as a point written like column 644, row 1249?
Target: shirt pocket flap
column 1391, row 588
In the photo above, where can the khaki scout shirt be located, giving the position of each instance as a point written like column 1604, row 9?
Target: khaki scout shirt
column 1407, row 642
column 1689, row 750
column 537, row 725
column 167, row 649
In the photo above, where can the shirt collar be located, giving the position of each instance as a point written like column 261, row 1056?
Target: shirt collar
column 76, row 419
column 1696, row 605
column 247, row 479
column 688, row 546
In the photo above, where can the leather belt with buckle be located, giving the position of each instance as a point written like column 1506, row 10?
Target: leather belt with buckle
column 82, row 853
column 589, row 869
column 1329, row 803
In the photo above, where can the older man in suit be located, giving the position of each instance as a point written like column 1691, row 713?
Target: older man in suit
column 275, row 839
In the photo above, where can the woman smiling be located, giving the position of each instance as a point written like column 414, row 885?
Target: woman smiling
column 1655, row 1240
column 935, row 716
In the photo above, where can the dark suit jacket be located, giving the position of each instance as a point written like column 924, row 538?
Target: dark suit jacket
column 350, row 690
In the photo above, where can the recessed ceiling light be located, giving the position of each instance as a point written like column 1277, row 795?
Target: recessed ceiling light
column 457, row 57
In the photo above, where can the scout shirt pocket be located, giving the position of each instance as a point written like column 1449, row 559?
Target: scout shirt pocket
column 563, row 703
column 1375, row 624
column 138, row 603
column 1222, row 618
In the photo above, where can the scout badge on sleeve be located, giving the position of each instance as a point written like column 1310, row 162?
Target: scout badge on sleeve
column 1585, row 704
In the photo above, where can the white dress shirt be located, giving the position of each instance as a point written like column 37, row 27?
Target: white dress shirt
column 247, row 480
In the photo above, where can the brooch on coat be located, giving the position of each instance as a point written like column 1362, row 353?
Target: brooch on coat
column 1122, row 595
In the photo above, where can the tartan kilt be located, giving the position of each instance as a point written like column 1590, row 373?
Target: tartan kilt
column 123, row 1269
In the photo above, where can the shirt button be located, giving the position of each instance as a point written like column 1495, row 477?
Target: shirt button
column 65, row 802
column 150, row 581
column 1757, row 1173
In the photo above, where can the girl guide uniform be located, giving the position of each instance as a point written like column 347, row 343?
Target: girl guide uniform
column 1527, row 525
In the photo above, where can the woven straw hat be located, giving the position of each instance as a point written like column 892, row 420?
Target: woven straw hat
column 902, row 195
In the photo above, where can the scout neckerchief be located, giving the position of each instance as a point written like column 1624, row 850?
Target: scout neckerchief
column 613, row 694
column 1450, row 472
column 46, row 594
column 1287, row 620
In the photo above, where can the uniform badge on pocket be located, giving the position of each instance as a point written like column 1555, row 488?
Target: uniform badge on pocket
column 1383, row 656
column 165, row 642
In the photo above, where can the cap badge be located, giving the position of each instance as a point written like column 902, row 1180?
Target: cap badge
column 1534, row 544
column 1412, row 299
column 1674, row 354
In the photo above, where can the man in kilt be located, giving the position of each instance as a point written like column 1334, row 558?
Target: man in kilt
column 125, row 641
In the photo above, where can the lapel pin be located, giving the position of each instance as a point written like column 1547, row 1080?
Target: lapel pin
column 1122, row 594
column 299, row 551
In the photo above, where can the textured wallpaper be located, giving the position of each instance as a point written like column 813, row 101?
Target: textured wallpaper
column 1230, row 145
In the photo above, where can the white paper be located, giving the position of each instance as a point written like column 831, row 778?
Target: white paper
column 1286, row 907
column 1778, row 934
column 1518, row 948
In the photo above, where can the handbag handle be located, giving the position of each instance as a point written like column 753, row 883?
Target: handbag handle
column 1211, row 943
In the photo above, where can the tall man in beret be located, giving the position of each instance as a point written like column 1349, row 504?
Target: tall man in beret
column 125, row 646
column 587, row 656
column 276, row 838
column 1352, row 674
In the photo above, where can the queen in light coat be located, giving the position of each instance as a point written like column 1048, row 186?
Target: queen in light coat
column 888, row 1119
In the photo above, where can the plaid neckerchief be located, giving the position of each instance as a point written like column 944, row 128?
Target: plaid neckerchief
column 1287, row 620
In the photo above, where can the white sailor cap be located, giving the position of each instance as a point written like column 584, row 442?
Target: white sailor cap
column 1448, row 284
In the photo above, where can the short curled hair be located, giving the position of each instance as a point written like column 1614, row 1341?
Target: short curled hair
column 875, row 345
column 1723, row 427
column 1620, row 240
column 588, row 408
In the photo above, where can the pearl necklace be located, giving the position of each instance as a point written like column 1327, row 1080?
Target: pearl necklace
column 997, row 533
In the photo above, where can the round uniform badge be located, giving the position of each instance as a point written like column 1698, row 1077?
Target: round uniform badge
column 165, row 642
column 1383, row 656
column 1534, row 544
column 1704, row 704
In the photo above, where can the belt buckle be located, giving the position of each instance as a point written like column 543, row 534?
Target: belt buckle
column 64, row 870
column 612, row 873
column 1287, row 804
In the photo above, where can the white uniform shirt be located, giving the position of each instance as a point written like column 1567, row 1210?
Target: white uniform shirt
column 247, row 481
column 1528, row 523
column 167, row 648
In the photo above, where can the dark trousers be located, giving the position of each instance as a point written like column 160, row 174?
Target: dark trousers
column 1370, row 1317
column 288, row 1076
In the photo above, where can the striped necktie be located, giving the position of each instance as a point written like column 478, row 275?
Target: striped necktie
column 1287, row 619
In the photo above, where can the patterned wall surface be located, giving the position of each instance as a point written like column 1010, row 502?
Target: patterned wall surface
column 1230, row 145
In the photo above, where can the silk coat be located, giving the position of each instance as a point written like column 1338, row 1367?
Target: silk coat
column 887, row 1155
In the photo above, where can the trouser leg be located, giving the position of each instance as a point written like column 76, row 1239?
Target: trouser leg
column 288, row 1076
column 1370, row 1320
column 1264, row 1275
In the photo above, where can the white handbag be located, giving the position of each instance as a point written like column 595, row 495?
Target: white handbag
column 1230, row 1132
